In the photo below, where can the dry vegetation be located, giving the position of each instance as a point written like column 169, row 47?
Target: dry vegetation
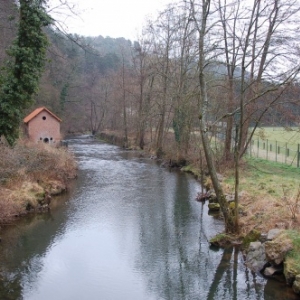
column 28, row 172
column 269, row 195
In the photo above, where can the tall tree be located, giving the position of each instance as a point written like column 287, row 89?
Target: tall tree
column 162, row 38
column 257, row 36
column 23, row 73
column 142, row 77
column 201, row 15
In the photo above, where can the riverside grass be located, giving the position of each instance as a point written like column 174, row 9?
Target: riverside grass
column 261, row 177
column 27, row 172
column 268, row 193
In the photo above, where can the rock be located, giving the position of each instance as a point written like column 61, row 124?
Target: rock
column 229, row 197
column 256, row 258
column 296, row 285
column 270, row 271
column 263, row 237
column 273, row 233
column 252, row 236
column 214, row 206
column 277, row 249
column 221, row 240
column 212, row 197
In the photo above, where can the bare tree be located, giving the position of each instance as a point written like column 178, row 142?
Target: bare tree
column 203, row 22
column 182, row 78
column 162, row 34
column 144, row 80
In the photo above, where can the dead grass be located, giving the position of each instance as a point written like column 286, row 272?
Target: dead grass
column 268, row 192
column 25, row 173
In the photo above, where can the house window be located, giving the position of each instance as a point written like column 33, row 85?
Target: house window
column 46, row 140
column 44, row 118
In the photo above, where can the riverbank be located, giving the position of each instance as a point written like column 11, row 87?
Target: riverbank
column 269, row 192
column 269, row 199
column 30, row 174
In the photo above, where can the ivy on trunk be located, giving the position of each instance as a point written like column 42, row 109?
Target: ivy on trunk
column 21, row 79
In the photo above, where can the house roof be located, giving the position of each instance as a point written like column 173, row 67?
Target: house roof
column 37, row 111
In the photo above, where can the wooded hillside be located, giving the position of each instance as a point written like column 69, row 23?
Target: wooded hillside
column 151, row 86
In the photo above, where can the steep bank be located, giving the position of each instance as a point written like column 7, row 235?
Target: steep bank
column 30, row 174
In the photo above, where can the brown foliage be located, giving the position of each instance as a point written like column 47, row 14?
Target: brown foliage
column 25, row 173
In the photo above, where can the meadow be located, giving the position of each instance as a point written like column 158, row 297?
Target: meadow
column 283, row 135
column 277, row 144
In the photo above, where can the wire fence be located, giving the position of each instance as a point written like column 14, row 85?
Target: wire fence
column 281, row 152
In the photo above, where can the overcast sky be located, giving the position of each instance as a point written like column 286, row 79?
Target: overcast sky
column 114, row 18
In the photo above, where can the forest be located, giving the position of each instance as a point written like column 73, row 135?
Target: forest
column 197, row 82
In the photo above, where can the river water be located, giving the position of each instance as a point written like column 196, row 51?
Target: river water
column 128, row 229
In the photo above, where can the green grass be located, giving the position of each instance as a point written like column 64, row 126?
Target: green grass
column 295, row 236
column 260, row 177
column 290, row 136
column 294, row 254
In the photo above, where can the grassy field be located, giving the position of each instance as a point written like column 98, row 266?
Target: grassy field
column 278, row 144
column 289, row 135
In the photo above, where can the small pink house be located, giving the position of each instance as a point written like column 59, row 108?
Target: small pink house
column 43, row 126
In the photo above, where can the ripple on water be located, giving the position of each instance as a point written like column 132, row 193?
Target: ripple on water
column 130, row 230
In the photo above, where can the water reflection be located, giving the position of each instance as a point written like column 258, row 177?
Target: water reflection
column 129, row 230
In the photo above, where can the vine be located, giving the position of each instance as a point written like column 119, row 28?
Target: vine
column 23, row 71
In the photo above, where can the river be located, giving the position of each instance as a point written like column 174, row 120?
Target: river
column 127, row 229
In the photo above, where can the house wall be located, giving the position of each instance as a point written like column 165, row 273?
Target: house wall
column 44, row 128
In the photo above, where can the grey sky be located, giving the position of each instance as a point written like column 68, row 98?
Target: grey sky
column 114, row 18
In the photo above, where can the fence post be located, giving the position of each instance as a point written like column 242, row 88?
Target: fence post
column 298, row 156
column 276, row 151
column 267, row 148
column 285, row 152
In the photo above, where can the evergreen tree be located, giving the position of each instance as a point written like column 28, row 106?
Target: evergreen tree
column 23, row 72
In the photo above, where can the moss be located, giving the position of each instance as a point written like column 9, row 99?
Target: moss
column 214, row 206
column 291, row 270
column 293, row 256
column 222, row 240
column 252, row 236
column 218, row 238
column 191, row 169
column 232, row 207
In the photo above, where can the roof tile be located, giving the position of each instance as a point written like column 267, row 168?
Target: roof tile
column 37, row 111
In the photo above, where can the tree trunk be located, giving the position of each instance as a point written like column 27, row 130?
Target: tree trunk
column 228, row 216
